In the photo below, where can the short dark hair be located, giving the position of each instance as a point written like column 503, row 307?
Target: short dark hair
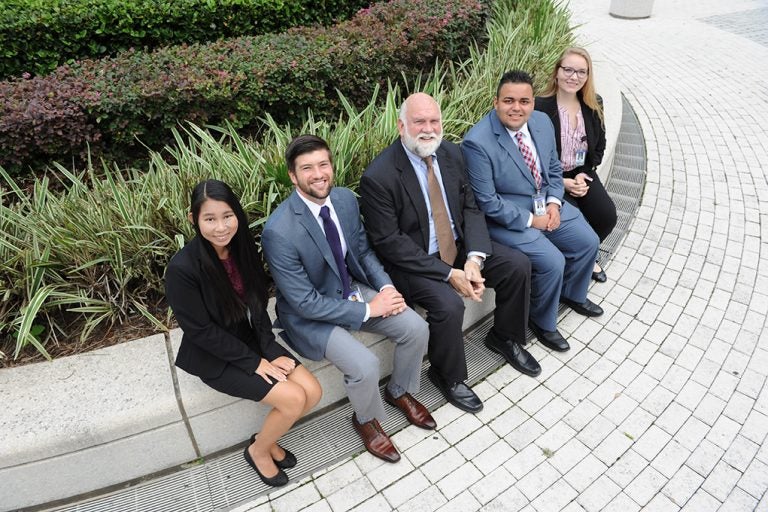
column 304, row 144
column 515, row 76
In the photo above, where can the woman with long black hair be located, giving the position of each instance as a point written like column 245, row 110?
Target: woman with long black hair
column 217, row 289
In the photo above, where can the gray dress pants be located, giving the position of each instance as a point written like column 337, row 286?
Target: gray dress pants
column 410, row 334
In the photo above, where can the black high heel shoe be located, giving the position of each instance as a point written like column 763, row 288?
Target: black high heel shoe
column 278, row 480
column 288, row 462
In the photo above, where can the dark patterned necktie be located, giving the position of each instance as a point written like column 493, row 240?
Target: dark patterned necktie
column 529, row 160
column 332, row 235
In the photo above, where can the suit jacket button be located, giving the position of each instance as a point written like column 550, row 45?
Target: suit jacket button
column 338, row 291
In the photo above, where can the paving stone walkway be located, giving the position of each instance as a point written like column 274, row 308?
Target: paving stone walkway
column 661, row 405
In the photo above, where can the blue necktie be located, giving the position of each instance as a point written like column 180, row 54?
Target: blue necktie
column 332, row 235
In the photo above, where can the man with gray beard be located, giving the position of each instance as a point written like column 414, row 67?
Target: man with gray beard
column 422, row 220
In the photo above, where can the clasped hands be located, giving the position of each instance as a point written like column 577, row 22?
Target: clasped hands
column 468, row 282
column 550, row 221
column 578, row 186
column 278, row 369
column 387, row 302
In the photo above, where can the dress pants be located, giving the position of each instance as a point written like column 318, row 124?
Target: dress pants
column 407, row 330
column 506, row 270
column 561, row 266
column 597, row 206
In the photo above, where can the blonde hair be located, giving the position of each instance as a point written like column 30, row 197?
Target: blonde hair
column 587, row 92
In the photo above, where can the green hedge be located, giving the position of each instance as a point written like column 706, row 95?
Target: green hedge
column 113, row 105
column 36, row 36
column 92, row 250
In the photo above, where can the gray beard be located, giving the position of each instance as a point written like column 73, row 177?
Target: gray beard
column 422, row 148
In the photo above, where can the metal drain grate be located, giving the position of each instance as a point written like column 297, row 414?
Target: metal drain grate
column 225, row 481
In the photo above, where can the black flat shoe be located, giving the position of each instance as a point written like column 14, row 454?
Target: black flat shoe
column 600, row 277
column 458, row 394
column 514, row 353
column 288, row 462
column 278, row 480
column 550, row 339
column 586, row 308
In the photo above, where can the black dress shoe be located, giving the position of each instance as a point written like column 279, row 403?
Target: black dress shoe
column 586, row 308
column 514, row 353
column 287, row 462
column 600, row 277
column 458, row 394
column 550, row 339
column 278, row 480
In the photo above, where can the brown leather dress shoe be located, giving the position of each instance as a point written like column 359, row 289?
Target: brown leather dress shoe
column 375, row 440
column 416, row 413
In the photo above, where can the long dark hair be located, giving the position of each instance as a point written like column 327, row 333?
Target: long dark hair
column 242, row 248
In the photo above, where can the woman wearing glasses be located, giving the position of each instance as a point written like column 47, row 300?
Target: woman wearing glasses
column 576, row 112
column 217, row 289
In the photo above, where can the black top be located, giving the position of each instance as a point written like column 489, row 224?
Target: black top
column 207, row 345
column 593, row 126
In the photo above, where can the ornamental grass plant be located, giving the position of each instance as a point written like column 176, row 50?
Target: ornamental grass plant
column 95, row 249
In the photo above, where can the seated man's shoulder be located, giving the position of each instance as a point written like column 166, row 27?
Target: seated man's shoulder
column 343, row 193
column 450, row 147
column 479, row 128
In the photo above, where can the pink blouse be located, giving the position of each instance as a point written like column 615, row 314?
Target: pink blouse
column 572, row 138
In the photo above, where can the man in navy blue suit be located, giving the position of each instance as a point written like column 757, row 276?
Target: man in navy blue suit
column 515, row 173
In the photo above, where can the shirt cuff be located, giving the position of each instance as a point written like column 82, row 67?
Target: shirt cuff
column 553, row 199
column 386, row 286
column 530, row 220
column 477, row 253
column 367, row 312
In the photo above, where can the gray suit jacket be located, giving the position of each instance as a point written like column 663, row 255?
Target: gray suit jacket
column 309, row 290
column 501, row 180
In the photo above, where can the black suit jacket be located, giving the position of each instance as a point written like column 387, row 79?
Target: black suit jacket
column 593, row 126
column 207, row 345
column 395, row 211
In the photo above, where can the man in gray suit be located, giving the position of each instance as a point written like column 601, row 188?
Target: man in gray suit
column 515, row 172
column 329, row 281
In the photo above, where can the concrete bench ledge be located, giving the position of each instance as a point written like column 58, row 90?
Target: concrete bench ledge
column 114, row 415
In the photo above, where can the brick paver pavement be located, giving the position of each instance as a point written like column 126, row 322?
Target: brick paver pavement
column 662, row 403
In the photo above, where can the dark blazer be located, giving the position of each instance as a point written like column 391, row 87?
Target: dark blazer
column 395, row 211
column 207, row 345
column 310, row 301
column 593, row 126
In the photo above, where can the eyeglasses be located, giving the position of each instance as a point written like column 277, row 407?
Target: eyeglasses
column 581, row 73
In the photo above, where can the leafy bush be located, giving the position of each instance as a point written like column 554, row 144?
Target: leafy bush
column 139, row 96
column 36, row 36
column 96, row 250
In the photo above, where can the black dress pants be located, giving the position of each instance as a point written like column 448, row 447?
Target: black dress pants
column 597, row 206
column 507, row 271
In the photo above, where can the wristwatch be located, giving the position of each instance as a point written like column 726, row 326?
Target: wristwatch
column 477, row 259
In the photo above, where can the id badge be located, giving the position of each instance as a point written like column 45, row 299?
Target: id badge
column 539, row 207
column 581, row 157
column 356, row 295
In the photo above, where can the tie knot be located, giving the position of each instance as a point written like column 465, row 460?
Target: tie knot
column 325, row 212
column 428, row 161
column 519, row 136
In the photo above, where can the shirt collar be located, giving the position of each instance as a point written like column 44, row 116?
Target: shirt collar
column 524, row 129
column 314, row 208
column 415, row 159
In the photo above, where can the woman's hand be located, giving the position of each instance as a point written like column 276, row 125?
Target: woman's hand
column 267, row 370
column 285, row 364
column 577, row 187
